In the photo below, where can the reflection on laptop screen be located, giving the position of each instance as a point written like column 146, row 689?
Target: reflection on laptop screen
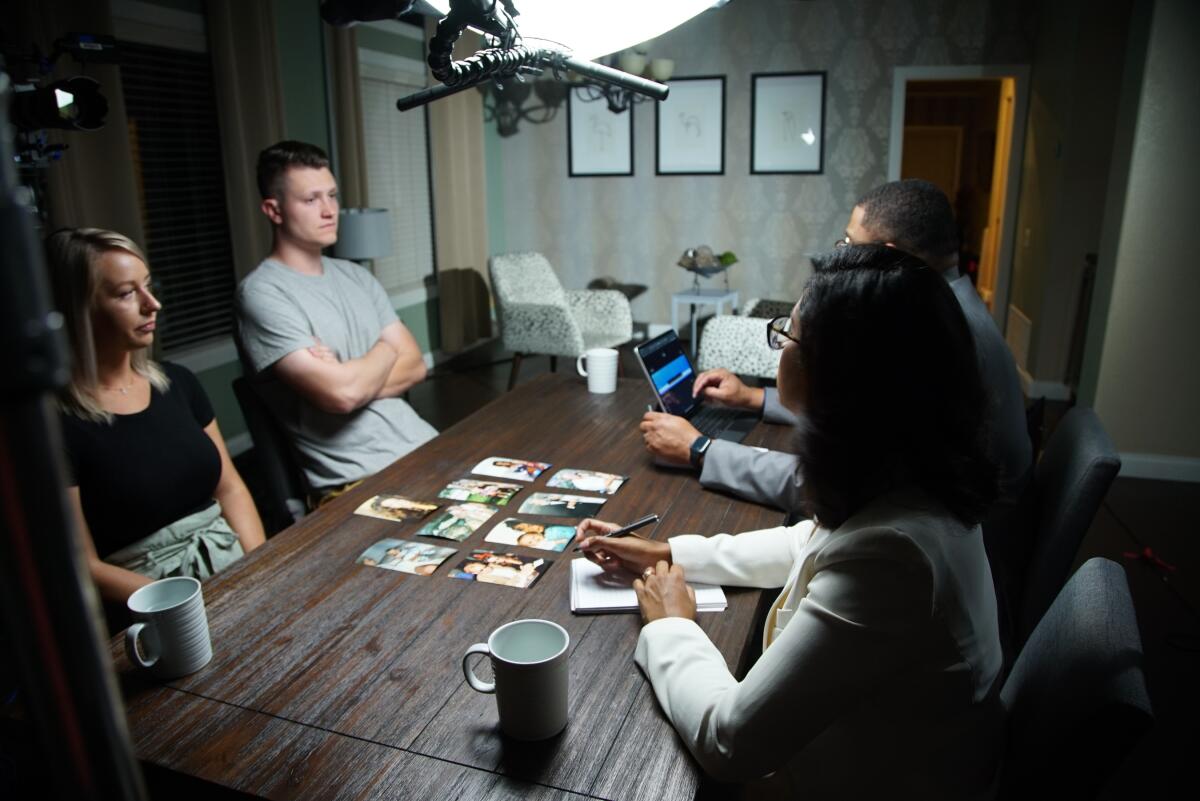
column 671, row 373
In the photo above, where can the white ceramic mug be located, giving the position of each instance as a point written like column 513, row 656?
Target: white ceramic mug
column 170, row 638
column 601, row 371
column 529, row 658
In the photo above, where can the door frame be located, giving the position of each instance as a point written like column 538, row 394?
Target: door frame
column 1019, row 73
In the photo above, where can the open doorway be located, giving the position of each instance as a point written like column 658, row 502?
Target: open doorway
column 962, row 129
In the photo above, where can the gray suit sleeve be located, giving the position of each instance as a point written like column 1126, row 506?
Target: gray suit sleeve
column 762, row 476
column 773, row 411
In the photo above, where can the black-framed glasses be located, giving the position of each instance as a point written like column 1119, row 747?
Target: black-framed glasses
column 778, row 329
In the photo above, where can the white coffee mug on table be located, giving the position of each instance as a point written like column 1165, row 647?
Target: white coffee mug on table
column 170, row 638
column 529, row 658
column 601, row 371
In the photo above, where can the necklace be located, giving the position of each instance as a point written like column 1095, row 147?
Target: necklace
column 123, row 390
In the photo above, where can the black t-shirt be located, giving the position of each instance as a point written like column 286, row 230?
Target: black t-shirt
column 145, row 470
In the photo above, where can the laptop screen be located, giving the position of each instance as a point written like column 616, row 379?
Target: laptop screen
column 670, row 371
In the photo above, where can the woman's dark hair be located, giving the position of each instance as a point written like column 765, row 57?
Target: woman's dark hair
column 892, row 388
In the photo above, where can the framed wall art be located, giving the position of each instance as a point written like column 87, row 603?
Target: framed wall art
column 787, row 123
column 599, row 142
column 689, row 127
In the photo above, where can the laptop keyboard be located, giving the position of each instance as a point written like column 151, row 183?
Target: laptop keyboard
column 712, row 420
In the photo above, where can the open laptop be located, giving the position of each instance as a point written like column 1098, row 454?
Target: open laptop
column 670, row 373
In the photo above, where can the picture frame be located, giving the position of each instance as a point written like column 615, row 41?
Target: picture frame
column 787, row 123
column 599, row 142
column 689, row 127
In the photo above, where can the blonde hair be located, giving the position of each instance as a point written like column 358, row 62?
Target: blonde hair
column 72, row 259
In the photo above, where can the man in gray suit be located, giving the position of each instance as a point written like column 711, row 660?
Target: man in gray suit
column 915, row 217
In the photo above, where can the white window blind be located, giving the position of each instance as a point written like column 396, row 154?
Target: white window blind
column 173, row 133
column 397, row 173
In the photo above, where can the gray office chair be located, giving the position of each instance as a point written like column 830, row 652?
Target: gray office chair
column 1076, row 698
column 1069, row 484
column 282, row 499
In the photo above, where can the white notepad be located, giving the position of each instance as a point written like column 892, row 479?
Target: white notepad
column 593, row 592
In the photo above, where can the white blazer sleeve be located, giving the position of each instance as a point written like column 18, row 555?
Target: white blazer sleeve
column 852, row 629
column 754, row 559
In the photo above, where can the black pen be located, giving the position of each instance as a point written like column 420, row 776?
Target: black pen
column 629, row 529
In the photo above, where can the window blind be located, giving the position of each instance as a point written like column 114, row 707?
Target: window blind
column 398, row 177
column 176, row 151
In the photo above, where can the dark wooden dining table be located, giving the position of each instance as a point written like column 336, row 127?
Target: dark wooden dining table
column 332, row 679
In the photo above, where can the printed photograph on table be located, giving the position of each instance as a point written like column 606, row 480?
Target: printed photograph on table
column 468, row 489
column 512, row 469
column 418, row 558
column 531, row 535
column 551, row 504
column 571, row 478
column 507, row 569
column 457, row 522
column 395, row 507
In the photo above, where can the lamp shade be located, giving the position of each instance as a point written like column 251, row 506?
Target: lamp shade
column 364, row 234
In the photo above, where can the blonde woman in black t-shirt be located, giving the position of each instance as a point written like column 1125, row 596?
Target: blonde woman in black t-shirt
column 153, row 488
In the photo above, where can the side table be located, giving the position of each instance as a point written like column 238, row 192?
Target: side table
column 717, row 298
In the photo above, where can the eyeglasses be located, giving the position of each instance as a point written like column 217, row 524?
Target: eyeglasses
column 777, row 332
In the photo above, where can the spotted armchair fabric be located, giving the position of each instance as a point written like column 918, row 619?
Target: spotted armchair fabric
column 538, row 316
column 738, row 344
column 761, row 307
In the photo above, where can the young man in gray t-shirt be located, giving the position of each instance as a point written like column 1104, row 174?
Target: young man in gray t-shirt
column 330, row 357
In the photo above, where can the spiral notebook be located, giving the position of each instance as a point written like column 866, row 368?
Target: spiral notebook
column 595, row 592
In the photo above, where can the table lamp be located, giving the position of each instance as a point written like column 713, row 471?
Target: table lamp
column 364, row 234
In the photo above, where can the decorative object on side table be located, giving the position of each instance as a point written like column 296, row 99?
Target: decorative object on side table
column 702, row 262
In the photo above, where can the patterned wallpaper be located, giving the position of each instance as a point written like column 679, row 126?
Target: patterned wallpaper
column 635, row 228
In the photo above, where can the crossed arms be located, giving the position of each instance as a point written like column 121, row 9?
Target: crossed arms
column 392, row 365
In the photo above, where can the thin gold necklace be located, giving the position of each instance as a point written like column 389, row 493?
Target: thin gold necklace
column 123, row 390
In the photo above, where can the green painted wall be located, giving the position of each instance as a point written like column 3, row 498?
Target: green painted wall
column 302, row 71
column 218, row 385
column 422, row 320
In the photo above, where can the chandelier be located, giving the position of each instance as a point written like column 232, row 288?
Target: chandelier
column 504, row 102
column 634, row 62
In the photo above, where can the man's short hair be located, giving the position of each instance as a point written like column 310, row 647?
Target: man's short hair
column 916, row 217
column 280, row 157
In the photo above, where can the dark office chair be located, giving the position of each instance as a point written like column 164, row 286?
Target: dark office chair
column 1069, row 484
column 284, row 491
column 1076, row 698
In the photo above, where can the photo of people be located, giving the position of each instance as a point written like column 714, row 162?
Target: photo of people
column 508, row 569
column 468, row 489
column 552, row 504
column 531, row 535
column 457, row 522
column 512, row 469
column 572, row 478
column 395, row 507
column 417, row 558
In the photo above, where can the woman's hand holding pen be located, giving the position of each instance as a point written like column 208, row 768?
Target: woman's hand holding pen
column 631, row 553
column 661, row 588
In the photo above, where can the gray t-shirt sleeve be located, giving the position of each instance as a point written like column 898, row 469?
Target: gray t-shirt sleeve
column 270, row 324
column 384, row 310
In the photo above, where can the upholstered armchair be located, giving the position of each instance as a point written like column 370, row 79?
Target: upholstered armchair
column 738, row 344
column 537, row 316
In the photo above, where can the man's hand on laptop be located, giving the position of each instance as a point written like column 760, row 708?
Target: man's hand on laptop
column 668, row 437
column 725, row 388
